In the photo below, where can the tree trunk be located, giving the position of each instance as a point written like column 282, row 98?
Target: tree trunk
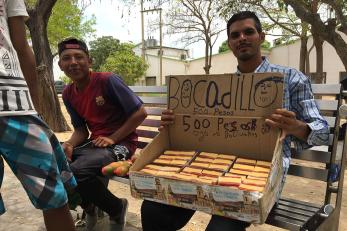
column 308, row 67
column 49, row 102
column 318, row 43
column 207, row 66
column 51, row 110
column 303, row 54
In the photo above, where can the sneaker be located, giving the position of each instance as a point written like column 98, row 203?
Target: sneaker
column 118, row 223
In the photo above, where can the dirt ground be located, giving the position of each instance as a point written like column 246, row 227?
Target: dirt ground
column 21, row 215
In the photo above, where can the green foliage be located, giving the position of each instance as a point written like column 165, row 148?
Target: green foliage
column 223, row 47
column 125, row 63
column 67, row 20
column 101, row 48
column 65, row 79
column 266, row 45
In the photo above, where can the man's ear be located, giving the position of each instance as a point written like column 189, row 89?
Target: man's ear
column 90, row 61
column 228, row 42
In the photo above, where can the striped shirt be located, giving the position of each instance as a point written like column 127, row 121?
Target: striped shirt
column 298, row 98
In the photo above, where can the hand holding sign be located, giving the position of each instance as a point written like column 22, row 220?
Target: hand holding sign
column 286, row 120
column 167, row 118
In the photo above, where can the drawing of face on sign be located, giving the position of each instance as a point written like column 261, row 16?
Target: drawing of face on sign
column 266, row 91
column 186, row 92
column 174, row 88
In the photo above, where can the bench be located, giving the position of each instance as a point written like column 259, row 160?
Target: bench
column 314, row 164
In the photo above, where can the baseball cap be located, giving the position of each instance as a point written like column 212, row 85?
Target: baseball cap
column 72, row 43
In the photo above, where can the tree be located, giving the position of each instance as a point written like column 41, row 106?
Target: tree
column 67, row 20
column 125, row 63
column 330, row 29
column 322, row 28
column 196, row 20
column 101, row 48
column 266, row 45
column 223, row 47
column 40, row 12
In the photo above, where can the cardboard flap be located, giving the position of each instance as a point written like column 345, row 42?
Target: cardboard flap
column 155, row 148
column 225, row 113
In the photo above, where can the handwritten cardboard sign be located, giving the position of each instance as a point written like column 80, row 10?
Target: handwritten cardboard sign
column 225, row 113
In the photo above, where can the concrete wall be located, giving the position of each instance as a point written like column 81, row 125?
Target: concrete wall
column 287, row 55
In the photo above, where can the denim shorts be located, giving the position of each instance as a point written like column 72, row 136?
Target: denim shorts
column 35, row 156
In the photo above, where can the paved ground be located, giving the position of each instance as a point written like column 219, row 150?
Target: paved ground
column 21, row 215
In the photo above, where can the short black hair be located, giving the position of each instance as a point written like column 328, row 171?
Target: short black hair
column 244, row 15
column 72, row 43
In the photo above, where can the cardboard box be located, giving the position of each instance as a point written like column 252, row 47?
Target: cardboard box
column 221, row 114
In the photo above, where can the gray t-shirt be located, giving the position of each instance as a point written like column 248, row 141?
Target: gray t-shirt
column 14, row 93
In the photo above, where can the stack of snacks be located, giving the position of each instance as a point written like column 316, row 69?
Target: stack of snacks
column 247, row 174
column 169, row 163
column 158, row 170
column 209, row 166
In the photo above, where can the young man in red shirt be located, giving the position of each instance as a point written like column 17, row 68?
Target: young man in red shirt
column 101, row 103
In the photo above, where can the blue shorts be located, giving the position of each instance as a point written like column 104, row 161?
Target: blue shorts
column 35, row 156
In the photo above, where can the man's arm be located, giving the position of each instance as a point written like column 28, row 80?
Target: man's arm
column 128, row 127
column 25, row 56
column 304, row 122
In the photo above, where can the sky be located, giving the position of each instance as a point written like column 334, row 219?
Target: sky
column 113, row 18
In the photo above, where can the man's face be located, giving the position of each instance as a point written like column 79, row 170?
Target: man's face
column 75, row 63
column 244, row 39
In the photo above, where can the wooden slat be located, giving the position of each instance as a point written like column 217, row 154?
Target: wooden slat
column 283, row 222
column 330, row 120
column 281, row 216
column 331, row 139
column 326, row 89
column 154, row 110
column 327, row 105
column 295, row 217
column 311, row 155
column 148, row 89
column 299, row 204
column 295, row 210
column 151, row 123
column 153, row 100
column 308, row 172
column 141, row 144
column 146, row 133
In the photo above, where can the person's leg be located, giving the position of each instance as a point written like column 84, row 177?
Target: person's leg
column 33, row 153
column 86, row 165
column 2, row 206
column 218, row 223
column 159, row 217
column 58, row 219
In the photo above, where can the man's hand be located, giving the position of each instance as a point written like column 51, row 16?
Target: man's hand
column 167, row 118
column 68, row 149
column 103, row 142
column 287, row 122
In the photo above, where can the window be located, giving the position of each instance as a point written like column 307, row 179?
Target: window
column 151, row 81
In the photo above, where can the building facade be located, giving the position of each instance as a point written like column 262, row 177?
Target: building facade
column 177, row 62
